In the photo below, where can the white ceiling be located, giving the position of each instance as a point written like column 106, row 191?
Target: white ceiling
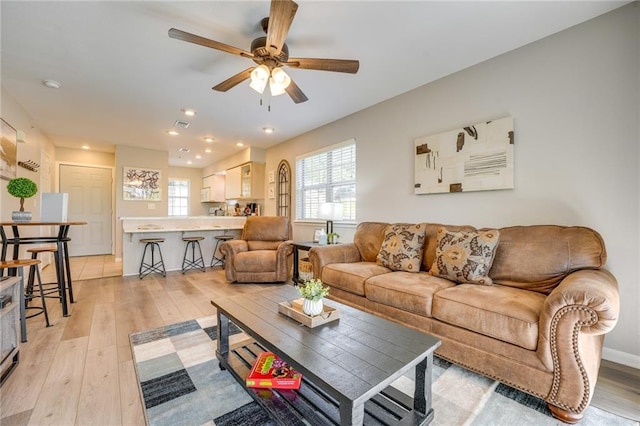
column 124, row 81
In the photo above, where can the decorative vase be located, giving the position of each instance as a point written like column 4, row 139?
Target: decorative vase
column 312, row 307
column 18, row 216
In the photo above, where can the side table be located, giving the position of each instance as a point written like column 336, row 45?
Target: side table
column 306, row 246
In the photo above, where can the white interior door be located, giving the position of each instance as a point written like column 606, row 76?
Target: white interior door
column 90, row 200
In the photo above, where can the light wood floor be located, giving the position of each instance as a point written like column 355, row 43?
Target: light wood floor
column 80, row 370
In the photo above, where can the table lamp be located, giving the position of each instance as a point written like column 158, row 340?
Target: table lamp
column 331, row 212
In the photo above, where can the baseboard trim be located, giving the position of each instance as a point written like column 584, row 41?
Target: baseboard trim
column 620, row 357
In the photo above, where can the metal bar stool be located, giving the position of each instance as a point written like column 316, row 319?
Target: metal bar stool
column 147, row 268
column 18, row 265
column 194, row 262
column 219, row 261
column 52, row 287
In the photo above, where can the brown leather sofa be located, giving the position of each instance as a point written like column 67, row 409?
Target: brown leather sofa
column 262, row 252
column 539, row 327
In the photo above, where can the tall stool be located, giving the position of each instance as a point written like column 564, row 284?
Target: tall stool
column 219, row 261
column 18, row 265
column 154, row 266
column 49, row 288
column 193, row 262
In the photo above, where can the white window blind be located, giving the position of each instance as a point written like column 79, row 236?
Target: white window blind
column 327, row 176
column 178, row 197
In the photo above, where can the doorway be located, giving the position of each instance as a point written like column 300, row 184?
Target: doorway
column 90, row 200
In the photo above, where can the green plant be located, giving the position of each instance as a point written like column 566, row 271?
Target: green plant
column 313, row 290
column 332, row 237
column 22, row 188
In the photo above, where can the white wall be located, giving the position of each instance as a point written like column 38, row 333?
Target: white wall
column 13, row 113
column 575, row 101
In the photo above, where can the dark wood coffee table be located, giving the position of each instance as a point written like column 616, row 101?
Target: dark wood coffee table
column 347, row 365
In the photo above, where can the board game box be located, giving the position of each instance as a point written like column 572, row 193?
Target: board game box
column 269, row 371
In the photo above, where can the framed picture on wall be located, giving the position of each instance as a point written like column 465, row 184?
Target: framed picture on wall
column 140, row 184
column 8, row 151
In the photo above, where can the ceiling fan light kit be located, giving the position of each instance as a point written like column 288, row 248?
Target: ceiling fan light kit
column 259, row 78
column 270, row 53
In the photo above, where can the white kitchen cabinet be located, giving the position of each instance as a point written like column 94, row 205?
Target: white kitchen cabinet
column 245, row 182
column 213, row 189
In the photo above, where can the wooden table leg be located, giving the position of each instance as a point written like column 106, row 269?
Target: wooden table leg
column 296, row 272
column 223, row 336
column 23, row 314
column 422, row 393
column 351, row 414
column 61, row 278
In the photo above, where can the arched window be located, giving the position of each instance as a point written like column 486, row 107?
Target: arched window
column 284, row 189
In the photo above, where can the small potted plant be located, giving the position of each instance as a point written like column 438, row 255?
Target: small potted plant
column 313, row 291
column 22, row 188
column 332, row 237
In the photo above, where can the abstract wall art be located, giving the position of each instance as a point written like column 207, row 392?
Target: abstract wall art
column 477, row 157
column 140, row 184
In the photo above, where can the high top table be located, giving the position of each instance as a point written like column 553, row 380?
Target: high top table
column 60, row 240
column 347, row 365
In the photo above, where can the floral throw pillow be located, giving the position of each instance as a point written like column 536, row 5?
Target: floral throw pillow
column 465, row 257
column 402, row 247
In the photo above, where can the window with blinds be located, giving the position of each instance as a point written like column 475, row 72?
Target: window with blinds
column 327, row 176
column 178, row 197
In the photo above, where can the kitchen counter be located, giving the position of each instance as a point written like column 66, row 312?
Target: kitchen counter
column 172, row 229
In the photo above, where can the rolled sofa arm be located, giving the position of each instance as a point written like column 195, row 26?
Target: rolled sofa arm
column 573, row 321
column 285, row 249
column 229, row 249
column 335, row 253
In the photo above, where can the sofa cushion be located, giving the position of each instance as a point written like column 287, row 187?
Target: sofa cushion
column 351, row 276
column 368, row 239
column 538, row 257
column 406, row 290
column 465, row 256
column 505, row 313
column 255, row 261
column 263, row 245
column 402, row 247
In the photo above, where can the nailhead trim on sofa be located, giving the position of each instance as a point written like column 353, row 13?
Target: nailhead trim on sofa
column 593, row 318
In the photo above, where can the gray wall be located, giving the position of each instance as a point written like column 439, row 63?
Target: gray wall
column 575, row 101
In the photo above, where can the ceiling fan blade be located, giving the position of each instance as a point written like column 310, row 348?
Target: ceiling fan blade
column 337, row 65
column 233, row 81
column 280, row 19
column 295, row 93
column 192, row 38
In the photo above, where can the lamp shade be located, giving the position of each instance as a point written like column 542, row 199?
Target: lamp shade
column 330, row 211
column 259, row 78
column 278, row 82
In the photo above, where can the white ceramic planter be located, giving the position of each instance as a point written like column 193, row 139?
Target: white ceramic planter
column 312, row 307
column 18, row 216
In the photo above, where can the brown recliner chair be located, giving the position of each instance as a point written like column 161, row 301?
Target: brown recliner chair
column 261, row 255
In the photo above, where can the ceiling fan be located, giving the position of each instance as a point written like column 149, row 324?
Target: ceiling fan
column 271, row 53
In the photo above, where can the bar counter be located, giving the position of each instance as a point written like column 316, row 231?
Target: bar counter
column 172, row 229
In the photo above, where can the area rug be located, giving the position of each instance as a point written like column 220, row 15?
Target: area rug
column 181, row 384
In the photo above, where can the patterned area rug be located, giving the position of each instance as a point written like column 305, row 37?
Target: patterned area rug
column 182, row 384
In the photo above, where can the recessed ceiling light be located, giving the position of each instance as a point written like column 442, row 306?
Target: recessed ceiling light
column 268, row 129
column 239, row 144
column 173, row 133
column 189, row 112
column 208, row 150
column 189, row 162
column 52, row 84
column 208, row 139
column 198, row 156
column 85, row 147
